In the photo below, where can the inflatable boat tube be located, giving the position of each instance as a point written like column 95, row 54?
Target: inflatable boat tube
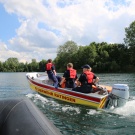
column 22, row 117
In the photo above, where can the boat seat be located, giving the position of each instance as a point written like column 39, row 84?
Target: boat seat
column 22, row 117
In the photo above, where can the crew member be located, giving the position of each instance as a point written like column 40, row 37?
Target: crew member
column 69, row 76
column 86, row 80
column 50, row 68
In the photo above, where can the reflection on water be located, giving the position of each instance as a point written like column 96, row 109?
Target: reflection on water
column 76, row 119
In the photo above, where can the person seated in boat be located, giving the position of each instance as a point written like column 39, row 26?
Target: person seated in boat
column 69, row 77
column 51, row 72
column 86, row 80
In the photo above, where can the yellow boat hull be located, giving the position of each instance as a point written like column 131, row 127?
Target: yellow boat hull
column 68, row 95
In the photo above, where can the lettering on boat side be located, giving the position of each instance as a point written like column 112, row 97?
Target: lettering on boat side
column 44, row 91
column 66, row 98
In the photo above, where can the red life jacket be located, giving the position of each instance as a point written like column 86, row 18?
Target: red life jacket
column 72, row 72
column 89, row 76
column 49, row 66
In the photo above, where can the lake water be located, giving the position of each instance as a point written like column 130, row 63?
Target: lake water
column 76, row 119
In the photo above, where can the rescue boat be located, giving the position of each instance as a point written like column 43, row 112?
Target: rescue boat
column 102, row 97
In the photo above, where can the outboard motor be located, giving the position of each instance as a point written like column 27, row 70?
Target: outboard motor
column 118, row 97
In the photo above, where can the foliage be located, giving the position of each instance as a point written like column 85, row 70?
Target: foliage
column 102, row 57
column 42, row 65
column 130, row 41
column 65, row 54
column 130, row 35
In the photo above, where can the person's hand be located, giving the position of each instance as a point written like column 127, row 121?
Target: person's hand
column 94, row 84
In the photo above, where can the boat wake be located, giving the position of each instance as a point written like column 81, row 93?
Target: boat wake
column 60, row 106
column 127, row 110
column 36, row 97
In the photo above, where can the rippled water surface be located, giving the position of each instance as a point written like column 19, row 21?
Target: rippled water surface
column 76, row 119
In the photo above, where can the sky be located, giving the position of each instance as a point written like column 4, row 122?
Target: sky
column 34, row 29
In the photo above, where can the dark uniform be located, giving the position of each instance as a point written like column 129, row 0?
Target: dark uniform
column 86, row 80
column 70, row 75
column 49, row 68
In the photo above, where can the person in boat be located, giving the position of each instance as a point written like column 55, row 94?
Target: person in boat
column 69, row 77
column 86, row 80
column 51, row 72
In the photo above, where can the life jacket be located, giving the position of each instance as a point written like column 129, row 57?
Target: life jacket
column 89, row 76
column 49, row 66
column 72, row 73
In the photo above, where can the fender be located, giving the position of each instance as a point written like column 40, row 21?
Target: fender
column 22, row 117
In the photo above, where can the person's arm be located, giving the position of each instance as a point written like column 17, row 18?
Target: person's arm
column 76, row 79
column 54, row 72
column 53, row 69
column 62, row 80
column 78, row 83
column 96, row 80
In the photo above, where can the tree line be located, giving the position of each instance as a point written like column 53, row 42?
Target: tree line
column 13, row 65
column 102, row 57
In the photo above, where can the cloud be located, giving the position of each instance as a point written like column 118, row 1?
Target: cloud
column 46, row 24
column 5, row 53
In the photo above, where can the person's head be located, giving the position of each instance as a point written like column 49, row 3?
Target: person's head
column 69, row 65
column 49, row 60
column 86, row 67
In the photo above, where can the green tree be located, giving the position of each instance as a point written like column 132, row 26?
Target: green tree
column 86, row 55
column 34, row 66
column 21, row 67
column 1, row 66
column 65, row 54
column 11, row 65
column 26, row 69
column 42, row 65
column 130, row 41
column 69, row 48
column 130, row 35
